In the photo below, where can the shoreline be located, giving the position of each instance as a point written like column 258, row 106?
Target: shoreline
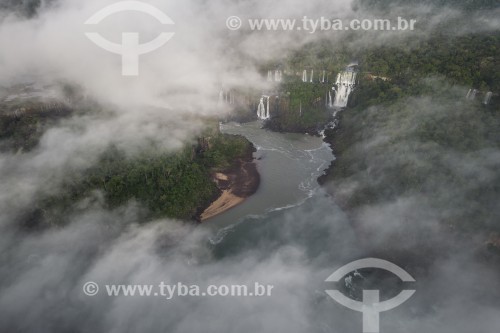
column 236, row 184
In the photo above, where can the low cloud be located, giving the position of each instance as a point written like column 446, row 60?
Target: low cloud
column 42, row 273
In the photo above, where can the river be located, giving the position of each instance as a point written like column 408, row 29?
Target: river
column 289, row 197
column 289, row 165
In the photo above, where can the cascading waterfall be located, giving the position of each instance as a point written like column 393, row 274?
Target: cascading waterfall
column 330, row 101
column 277, row 76
column 312, row 75
column 323, row 79
column 262, row 110
column 267, row 113
column 473, row 95
column 487, row 98
column 304, row 76
column 345, row 85
column 226, row 97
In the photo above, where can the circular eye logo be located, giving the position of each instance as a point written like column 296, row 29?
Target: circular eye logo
column 371, row 306
column 129, row 49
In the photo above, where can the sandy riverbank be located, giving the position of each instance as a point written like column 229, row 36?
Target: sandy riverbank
column 236, row 184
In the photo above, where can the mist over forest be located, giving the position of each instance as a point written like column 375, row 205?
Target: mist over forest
column 239, row 156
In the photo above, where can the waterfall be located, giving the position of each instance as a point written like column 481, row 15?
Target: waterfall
column 226, row 97
column 277, row 76
column 261, row 109
column 267, row 114
column 345, row 84
column 323, row 79
column 487, row 98
column 304, row 76
column 312, row 75
column 468, row 94
column 330, row 102
column 473, row 95
column 263, row 112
